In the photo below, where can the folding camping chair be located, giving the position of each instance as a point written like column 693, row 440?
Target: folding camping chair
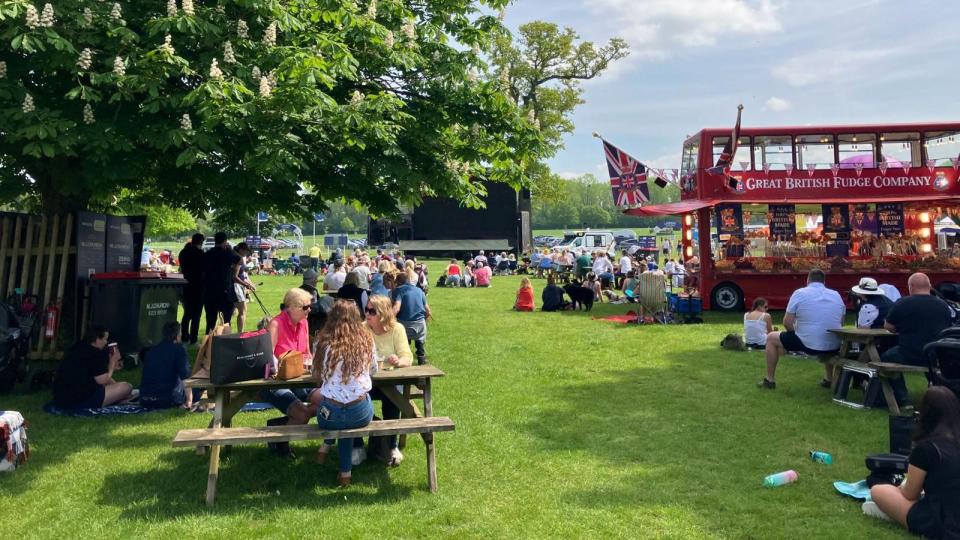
column 943, row 357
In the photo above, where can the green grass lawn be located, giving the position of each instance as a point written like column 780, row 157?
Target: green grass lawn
column 566, row 427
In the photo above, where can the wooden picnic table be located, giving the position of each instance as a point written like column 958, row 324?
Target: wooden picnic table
column 231, row 397
column 866, row 337
column 869, row 357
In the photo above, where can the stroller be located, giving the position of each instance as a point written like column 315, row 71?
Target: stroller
column 17, row 319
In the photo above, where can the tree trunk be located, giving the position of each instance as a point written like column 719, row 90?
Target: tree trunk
column 59, row 186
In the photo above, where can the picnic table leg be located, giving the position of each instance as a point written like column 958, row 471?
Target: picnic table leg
column 889, row 395
column 428, row 438
column 214, row 470
column 402, row 439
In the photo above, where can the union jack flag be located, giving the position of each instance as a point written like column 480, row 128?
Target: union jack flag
column 729, row 149
column 628, row 177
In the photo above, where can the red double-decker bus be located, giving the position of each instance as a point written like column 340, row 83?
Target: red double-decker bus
column 853, row 200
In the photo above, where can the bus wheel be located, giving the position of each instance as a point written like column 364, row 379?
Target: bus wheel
column 727, row 297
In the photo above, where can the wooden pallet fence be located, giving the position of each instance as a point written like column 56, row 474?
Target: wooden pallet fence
column 36, row 254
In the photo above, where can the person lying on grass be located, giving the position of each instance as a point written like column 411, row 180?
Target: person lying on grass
column 347, row 357
column 927, row 503
column 524, row 301
column 85, row 376
column 165, row 367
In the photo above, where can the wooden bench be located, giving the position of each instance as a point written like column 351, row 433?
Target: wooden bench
column 224, row 436
column 888, row 371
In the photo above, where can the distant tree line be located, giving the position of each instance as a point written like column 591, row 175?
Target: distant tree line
column 588, row 202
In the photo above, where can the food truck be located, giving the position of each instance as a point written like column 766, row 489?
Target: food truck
column 852, row 200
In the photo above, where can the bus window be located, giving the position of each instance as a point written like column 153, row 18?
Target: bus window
column 854, row 148
column 742, row 155
column 776, row 151
column 688, row 164
column 900, row 148
column 941, row 146
column 816, row 150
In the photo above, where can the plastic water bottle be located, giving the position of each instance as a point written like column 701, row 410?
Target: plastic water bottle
column 821, row 457
column 780, row 478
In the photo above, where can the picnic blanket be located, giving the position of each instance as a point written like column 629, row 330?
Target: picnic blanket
column 629, row 317
column 857, row 490
column 127, row 408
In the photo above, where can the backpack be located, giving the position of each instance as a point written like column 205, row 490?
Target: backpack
column 733, row 342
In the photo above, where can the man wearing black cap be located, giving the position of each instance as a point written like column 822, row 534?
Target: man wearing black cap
column 191, row 266
column 218, row 281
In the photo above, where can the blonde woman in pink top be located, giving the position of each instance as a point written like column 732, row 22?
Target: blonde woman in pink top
column 289, row 332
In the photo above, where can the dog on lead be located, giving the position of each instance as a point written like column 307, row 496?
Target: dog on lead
column 580, row 297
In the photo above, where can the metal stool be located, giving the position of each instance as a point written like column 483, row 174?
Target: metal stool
column 845, row 381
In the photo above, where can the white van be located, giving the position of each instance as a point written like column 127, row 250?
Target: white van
column 588, row 240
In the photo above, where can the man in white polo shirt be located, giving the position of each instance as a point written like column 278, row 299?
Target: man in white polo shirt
column 811, row 312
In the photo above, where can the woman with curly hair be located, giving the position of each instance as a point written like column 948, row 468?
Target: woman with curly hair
column 347, row 358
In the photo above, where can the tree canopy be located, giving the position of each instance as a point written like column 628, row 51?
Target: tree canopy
column 246, row 105
column 542, row 69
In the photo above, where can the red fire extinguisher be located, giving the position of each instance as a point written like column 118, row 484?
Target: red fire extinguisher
column 52, row 319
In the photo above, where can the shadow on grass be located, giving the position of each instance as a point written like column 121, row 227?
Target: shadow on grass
column 249, row 477
column 53, row 449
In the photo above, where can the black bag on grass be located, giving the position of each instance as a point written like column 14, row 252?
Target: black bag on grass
column 240, row 357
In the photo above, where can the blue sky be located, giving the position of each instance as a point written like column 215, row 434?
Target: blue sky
column 800, row 62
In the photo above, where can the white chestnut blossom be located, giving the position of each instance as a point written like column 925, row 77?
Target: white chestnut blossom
column 88, row 117
column 243, row 31
column 356, row 98
column 409, row 30
column 531, row 115
column 119, row 69
column 264, row 87
column 256, row 73
column 389, row 40
column 187, row 7
column 32, row 17
column 87, row 16
column 372, row 9
column 27, row 106
column 46, row 17
column 3, row 70
column 116, row 13
column 472, row 75
column 502, row 15
column 215, row 72
column 168, row 45
column 270, row 35
column 475, row 49
column 228, row 55
column 185, row 123
column 85, row 60
column 171, row 8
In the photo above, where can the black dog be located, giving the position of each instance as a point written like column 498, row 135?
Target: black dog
column 581, row 297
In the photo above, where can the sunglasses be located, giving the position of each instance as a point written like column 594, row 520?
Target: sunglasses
column 307, row 307
column 370, row 311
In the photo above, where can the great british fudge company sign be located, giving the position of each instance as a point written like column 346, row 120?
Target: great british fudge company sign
column 919, row 181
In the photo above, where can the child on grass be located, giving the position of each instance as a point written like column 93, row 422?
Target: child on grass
column 524, row 300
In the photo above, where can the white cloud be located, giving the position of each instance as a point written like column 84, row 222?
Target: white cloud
column 654, row 27
column 776, row 104
column 831, row 64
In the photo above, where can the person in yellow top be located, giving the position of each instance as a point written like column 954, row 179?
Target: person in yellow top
column 393, row 349
column 315, row 253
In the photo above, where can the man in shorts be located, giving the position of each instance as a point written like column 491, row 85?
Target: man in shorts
column 811, row 312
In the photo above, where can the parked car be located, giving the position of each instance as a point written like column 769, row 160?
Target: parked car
column 207, row 243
